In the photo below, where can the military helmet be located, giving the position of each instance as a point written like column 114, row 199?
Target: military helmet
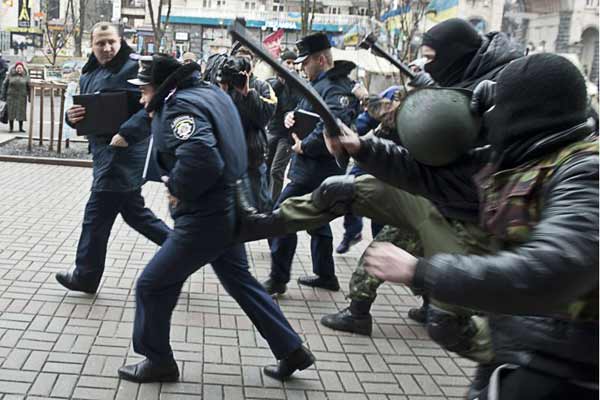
column 436, row 125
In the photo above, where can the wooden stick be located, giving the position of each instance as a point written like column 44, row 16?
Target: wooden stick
column 41, row 116
column 51, row 116
column 61, row 120
column 31, row 112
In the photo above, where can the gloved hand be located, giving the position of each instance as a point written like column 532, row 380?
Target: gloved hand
column 422, row 79
column 483, row 97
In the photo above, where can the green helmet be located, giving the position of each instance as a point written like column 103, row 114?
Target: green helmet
column 436, row 125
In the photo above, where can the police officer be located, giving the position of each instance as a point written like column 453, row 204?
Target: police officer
column 312, row 163
column 118, row 162
column 200, row 150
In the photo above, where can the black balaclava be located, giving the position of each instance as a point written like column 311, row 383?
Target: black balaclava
column 455, row 43
column 536, row 97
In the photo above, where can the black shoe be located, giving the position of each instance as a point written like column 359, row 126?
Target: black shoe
column 317, row 281
column 480, row 380
column 146, row 371
column 418, row 314
column 22, row 130
column 274, row 287
column 348, row 242
column 347, row 322
column 298, row 360
column 68, row 280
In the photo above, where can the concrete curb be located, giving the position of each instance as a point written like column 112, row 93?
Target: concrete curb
column 68, row 162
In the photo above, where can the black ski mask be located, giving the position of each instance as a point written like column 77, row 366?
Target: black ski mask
column 536, row 97
column 455, row 43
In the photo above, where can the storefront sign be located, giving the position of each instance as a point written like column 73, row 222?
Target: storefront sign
column 24, row 14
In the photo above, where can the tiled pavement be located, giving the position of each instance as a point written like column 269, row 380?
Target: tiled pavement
column 55, row 344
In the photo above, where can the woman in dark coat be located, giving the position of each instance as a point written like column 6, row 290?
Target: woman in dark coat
column 15, row 91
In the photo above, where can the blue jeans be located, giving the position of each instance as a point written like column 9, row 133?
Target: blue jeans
column 259, row 188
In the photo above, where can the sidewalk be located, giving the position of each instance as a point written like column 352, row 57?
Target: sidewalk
column 55, row 344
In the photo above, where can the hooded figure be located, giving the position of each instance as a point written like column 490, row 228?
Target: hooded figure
column 518, row 128
column 463, row 57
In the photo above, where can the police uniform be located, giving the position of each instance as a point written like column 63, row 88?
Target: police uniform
column 309, row 169
column 117, row 178
column 199, row 144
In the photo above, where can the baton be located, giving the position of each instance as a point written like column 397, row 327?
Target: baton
column 239, row 32
column 370, row 43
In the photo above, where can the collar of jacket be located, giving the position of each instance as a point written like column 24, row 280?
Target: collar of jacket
column 341, row 68
column 113, row 65
column 185, row 76
column 544, row 143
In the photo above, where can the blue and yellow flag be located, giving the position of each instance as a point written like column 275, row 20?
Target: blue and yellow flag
column 443, row 10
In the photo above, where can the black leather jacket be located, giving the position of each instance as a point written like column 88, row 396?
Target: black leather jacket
column 520, row 287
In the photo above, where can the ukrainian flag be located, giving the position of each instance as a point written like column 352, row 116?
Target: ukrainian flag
column 351, row 36
column 442, row 10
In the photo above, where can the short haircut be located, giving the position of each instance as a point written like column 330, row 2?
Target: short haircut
column 104, row 26
column 325, row 53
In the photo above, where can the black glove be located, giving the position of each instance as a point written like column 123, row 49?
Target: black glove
column 483, row 97
column 422, row 79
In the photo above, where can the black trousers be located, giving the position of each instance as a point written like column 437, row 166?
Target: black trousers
column 101, row 212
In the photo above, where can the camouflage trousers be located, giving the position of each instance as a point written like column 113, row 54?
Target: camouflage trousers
column 414, row 224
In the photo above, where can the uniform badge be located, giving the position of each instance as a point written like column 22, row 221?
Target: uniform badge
column 344, row 101
column 183, row 127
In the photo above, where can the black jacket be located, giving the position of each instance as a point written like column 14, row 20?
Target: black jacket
column 287, row 100
column 117, row 169
column 556, row 266
column 315, row 164
column 451, row 188
column 495, row 52
column 200, row 146
column 256, row 109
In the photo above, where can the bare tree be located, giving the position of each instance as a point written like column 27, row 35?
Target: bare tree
column 407, row 24
column 81, row 27
column 159, row 27
column 307, row 9
column 57, row 34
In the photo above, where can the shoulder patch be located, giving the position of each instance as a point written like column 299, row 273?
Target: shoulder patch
column 183, row 127
column 344, row 101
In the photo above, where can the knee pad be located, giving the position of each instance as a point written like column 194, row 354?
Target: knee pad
column 335, row 194
column 452, row 332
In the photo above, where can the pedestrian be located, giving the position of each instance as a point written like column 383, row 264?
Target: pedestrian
column 279, row 138
column 200, row 148
column 118, row 162
column 312, row 163
column 256, row 103
column 189, row 57
column 3, row 69
column 15, row 91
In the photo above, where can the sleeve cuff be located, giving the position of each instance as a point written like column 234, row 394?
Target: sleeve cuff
column 418, row 282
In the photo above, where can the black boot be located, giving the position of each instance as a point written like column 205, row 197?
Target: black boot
column 147, row 371
column 356, row 318
column 68, row 280
column 274, row 287
column 21, row 126
column 420, row 314
column 480, row 380
column 11, row 125
column 259, row 226
column 298, row 360
column 323, row 283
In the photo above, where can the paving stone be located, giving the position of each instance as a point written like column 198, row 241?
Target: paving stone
column 60, row 344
